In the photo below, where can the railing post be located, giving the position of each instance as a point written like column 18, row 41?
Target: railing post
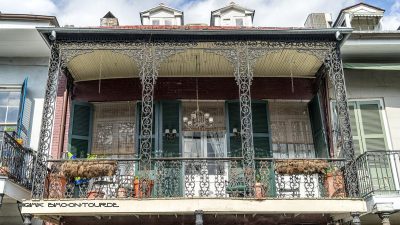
column 334, row 65
column 40, row 166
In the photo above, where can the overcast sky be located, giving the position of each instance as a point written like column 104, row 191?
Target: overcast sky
column 269, row 13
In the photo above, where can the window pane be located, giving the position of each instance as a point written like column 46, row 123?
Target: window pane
column 155, row 22
column 12, row 115
column 14, row 98
column 168, row 22
column 371, row 118
column 3, row 112
column 3, row 98
column 239, row 22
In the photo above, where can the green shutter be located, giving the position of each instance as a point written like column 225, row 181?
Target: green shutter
column 80, row 129
column 371, row 126
column 318, row 128
column 260, row 129
column 261, row 138
column 355, row 129
column 170, row 120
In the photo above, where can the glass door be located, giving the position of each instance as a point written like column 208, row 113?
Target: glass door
column 205, row 173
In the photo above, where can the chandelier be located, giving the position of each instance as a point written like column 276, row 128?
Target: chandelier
column 198, row 119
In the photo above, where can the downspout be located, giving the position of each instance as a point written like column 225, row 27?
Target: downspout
column 63, row 121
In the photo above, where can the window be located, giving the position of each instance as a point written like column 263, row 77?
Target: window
column 367, row 125
column 9, row 109
column 291, row 130
column 113, row 128
column 155, row 22
column 168, row 22
column 239, row 22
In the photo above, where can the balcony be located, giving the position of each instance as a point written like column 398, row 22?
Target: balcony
column 222, row 178
column 17, row 162
column 378, row 174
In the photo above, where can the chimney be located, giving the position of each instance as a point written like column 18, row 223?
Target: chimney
column 318, row 20
column 109, row 20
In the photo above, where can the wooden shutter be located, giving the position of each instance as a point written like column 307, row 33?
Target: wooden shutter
column 260, row 129
column 170, row 120
column 318, row 128
column 80, row 129
column 371, row 126
column 22, row 126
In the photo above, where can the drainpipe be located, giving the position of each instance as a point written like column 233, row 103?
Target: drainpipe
column 63, row 122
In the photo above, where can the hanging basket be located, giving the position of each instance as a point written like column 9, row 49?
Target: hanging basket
column 293, row 167
column 89, row 169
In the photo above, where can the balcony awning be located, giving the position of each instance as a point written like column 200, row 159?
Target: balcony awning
column 372, row 66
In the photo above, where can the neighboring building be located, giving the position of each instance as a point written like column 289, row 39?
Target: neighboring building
column 371, row 58
column 24, row 58
column 360, row 17
column 232, row 15
column 109, row 20
column 162, row 15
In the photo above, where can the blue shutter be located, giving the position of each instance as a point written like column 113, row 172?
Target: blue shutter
column 21, row 128
column 80, row 131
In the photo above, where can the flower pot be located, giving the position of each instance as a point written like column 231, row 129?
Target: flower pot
column 57, row 186
column 89, row 168
column 4, row 171
column 121, row 192
column 334, row 185
column 95, row 194
column 259, row 190
column 136, row 187
column 19, row 141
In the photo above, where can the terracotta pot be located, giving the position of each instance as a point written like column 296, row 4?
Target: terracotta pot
column 136, row 187
column 57, row 186
column 95, row 194
column 259, row 191
column 121, row 192
column 334, row 185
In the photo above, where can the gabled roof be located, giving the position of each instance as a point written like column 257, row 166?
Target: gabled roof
column 51, row 19
column 355, row 6
column 232, row 5
column 109, row 15
column 160, row 7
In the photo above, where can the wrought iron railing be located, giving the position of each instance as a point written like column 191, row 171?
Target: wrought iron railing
column 378, row 172
column 17, row 162
column 194, row 178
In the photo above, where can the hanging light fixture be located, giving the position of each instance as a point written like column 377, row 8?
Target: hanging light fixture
column 198, row 119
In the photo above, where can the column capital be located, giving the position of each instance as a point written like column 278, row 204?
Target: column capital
column 356, row 218
column 384, row 216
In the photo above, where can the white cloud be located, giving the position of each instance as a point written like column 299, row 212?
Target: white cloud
column 392, row 20
column 269, row 13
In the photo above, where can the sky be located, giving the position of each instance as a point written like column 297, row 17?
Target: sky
column 269, row 13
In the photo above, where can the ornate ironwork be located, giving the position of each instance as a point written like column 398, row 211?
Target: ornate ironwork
column 333, row 63
column 16, row 162
column 47, row 122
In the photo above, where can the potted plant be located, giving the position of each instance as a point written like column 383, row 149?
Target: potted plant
column 334, row 182
column 259, row 188
column 143, row 187
column 295, row 166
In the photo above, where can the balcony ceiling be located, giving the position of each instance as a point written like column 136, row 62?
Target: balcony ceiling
column 105, row 64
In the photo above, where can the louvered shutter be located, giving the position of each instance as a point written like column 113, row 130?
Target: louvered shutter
column 80, row 129
column 355, row 128
column 170, row 120
column 318, row 128
column 261, row 138
column 371, row 124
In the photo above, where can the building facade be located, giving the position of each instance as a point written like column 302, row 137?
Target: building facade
column 24, row 58
column 221, row 124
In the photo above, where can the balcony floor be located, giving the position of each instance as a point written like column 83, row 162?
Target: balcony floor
column 179, row 207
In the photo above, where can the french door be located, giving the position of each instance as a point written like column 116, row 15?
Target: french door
column 204, row 171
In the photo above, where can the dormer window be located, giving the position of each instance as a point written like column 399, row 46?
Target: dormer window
column 360, row 17
column 232, row 15
column 239, row 22
column 162, row 15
